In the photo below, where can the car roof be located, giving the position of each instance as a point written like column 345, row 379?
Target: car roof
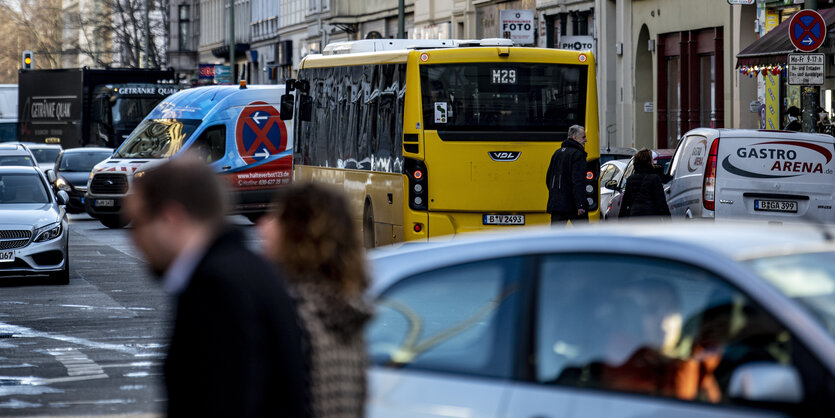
column 87, row 149
column 18, row 169
column 40, row 145
column 729, row 240
column 761, row 133
column 621, row 163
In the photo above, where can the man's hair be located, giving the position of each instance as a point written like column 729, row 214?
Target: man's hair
column 185, row 181
column 574, row 130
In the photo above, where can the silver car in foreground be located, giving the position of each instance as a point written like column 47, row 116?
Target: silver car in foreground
column 33, row 226
column 664, row 320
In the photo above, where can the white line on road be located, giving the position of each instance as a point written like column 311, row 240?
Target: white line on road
column 19, row 331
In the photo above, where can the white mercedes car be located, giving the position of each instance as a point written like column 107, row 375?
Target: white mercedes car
column 33, row 226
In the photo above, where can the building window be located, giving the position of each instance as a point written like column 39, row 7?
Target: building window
column 184, row 30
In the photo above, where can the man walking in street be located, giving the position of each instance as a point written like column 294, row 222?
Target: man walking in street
column 236, row 345
column 566, row 180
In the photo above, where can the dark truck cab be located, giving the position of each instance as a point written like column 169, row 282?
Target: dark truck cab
column 88, row 107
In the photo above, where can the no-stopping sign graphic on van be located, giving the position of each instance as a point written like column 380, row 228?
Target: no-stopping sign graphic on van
column 260, row 132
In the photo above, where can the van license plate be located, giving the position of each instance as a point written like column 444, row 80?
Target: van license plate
column 775, row 205
column 103, row 202
column 504, row 219
column 6, row 256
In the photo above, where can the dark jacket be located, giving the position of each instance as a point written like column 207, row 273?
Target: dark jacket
column 566, row 179
column 236, row 348
column 644, row 195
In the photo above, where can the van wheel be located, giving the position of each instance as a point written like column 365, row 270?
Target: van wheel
column 114, row 221
column 368, row 226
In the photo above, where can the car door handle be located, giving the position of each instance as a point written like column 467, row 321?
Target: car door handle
column 226, row 167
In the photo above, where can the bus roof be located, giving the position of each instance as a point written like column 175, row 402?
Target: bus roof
column 378, row 45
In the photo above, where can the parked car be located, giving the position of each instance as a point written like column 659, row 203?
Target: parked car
column 615, row 153
column 635, row 320
column 72, row 172
column 16, row 154
column 775, row 176
column 609, row 171
column 33, row 226
column 45, row 154
column 661, row 159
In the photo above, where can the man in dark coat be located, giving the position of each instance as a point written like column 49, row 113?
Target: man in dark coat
column 566, row 179
column 236, row 344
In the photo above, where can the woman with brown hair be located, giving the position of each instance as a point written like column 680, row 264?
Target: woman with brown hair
column 644, row 194
column 312, row 237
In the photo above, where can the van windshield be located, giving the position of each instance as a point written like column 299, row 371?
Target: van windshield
column 157, row 138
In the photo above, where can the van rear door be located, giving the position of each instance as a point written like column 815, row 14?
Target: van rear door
column 776, row 177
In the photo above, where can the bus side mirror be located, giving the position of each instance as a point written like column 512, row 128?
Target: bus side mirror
column 288, row 101
column 305, row 107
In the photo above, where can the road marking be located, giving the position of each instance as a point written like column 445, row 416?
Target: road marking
column 19, row 331
column 77, row 363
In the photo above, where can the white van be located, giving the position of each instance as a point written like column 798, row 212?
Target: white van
column 755, row 175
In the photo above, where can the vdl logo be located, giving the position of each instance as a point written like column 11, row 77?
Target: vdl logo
column 504, row 155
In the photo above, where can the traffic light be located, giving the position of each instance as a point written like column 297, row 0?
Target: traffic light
column 27, row 60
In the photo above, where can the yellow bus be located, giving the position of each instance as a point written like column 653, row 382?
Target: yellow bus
column 438, row 137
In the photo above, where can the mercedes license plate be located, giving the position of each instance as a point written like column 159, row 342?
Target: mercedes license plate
column 6, row 256
column 103, row 202
column 775, row 205
column 504, row 219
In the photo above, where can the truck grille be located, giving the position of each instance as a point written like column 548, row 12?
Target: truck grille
column 11, row 239
column 109, row 184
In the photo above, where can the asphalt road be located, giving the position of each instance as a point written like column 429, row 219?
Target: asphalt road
column 93, row 347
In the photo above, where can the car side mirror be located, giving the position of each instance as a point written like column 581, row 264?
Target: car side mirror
column 62, row 197
column 51, row 176
column 612, row 185
column 766, row 382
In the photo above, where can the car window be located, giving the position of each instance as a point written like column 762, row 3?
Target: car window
column 81, row 161
column 630, row 168
column 45, row 155
column 22, row 188
column 608, row 173
column 211, row 144
column 23, row 160
column 657, row 327
column 453, row 320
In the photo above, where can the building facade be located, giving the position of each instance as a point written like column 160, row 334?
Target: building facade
column 213, row 47
column 184, row 39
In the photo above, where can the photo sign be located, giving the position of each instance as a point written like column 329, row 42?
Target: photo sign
column 517, row 25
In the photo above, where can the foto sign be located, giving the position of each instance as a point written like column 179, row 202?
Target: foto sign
column 517, row 25
column 577, row 43
column 807, row 69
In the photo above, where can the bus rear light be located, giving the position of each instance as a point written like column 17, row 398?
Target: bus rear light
column 709, row 188
column 416, row 176
column 589, row 175
column 418, row 228
column 592, row 191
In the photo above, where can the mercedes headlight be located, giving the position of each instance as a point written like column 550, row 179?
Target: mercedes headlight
column 62, row 184
column 48, row 232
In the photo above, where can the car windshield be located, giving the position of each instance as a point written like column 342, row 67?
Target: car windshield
column 503, row 96
column 45, row 155
column 157, row 138
column 22, row 188
column 808, row 278
column 23, row 160
column 132, row 109
column 81, row 161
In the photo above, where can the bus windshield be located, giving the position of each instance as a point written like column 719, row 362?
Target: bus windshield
column 521, row 97
column 157, row 138
column 132, row 109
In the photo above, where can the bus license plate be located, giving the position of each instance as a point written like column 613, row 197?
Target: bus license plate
column 6, row 256
column 103, row 202
column 775, row 205
column 504, row 219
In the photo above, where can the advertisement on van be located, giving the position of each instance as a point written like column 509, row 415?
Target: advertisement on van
column 779, row 159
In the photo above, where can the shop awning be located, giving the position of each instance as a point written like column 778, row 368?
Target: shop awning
column 773, row 48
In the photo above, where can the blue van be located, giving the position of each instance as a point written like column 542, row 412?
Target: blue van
column 237, row 129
